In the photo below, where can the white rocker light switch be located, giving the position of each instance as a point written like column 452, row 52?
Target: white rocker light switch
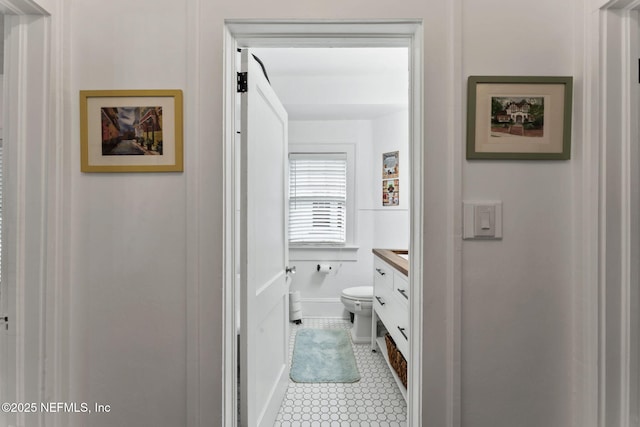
column 482, row 220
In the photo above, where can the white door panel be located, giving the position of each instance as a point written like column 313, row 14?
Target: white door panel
column 264, row 256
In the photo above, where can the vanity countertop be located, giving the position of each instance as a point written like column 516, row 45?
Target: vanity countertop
column 397, row 258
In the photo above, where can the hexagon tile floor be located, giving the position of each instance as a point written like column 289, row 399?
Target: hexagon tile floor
column 374, row 401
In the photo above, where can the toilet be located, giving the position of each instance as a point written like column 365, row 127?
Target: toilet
column 359, row 301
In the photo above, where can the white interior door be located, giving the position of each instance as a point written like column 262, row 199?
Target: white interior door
column 264, row 250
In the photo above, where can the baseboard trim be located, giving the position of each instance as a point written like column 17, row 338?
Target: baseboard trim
column 323, row 308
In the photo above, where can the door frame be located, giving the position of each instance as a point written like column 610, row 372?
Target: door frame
column 35, row 227
column 609, row 309
column 355, row 33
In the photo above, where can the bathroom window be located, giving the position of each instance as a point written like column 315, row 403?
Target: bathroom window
column 318, row 198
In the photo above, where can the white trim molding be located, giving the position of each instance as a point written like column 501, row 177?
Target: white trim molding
column 611, row 329
column 634, row 219
column 34, row 365
column 57, row 323
column 21, row 7
column 588, row 269
column 323, row 308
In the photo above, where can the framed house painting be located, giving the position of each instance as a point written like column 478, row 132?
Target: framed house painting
column 522, row 118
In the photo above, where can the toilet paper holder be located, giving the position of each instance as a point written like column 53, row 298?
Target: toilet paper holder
column 323, row 268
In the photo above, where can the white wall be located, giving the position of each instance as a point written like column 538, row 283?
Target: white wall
column 376, row 226
column 134, row 257
column 516, row 293
column 346, row 96
column 320, row 293
column 128, row 231
column 391, row 223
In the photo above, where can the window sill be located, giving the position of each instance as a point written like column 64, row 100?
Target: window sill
column 323, row 253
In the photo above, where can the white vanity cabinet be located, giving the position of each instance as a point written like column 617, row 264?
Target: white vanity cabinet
column 391, row 307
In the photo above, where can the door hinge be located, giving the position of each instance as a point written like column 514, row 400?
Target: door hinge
column 5, row 320
column 242, row 82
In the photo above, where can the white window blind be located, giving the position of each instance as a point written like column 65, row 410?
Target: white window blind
column 317, row 197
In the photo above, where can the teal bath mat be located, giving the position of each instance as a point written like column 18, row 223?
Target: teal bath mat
column 323, row 356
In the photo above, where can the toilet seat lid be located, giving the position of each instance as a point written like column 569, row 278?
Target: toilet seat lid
column 359, row 292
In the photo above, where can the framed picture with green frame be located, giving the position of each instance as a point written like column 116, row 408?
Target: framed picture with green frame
column 519, row 117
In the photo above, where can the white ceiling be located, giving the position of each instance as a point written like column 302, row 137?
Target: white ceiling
column 333, row 61
column 312, row 82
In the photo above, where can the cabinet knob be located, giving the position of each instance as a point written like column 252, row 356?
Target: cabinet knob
column 380, row 300
column 380, row 271
column 403, row 292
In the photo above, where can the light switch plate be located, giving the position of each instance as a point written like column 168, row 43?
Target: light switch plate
column 482, row 220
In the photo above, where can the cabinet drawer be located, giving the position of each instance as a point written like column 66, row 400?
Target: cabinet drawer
column 395, row 316
column 382, row 275
column 383, row 304
column 401, row 286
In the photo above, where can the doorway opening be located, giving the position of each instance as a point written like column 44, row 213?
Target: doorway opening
column 321, row 35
